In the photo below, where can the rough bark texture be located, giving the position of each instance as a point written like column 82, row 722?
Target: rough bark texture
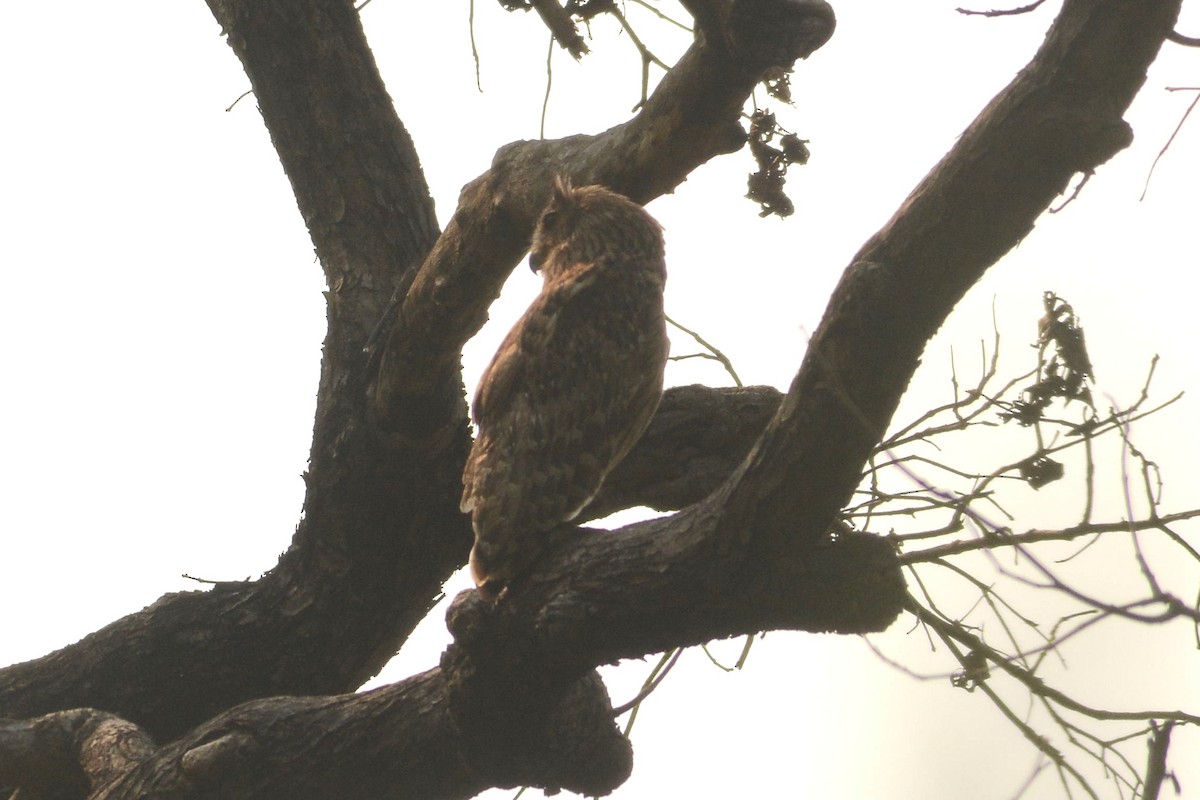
column 691, row 117
column 381, row 530
column 695, row 441
column 515, row 699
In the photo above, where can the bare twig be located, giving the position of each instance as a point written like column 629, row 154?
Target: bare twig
column 662, row 16
column 474, row 49
column 1186, row 41
column 1001, row 12
column 648, row 57
column 1037, row 536
column 653, row 681
column 1171, row 138
column 239, row 99
column 1061, row 376
column 952, row 631
column 712, row 353
column 549, row 83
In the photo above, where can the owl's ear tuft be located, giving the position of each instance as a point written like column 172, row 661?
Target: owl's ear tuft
column 562, row 188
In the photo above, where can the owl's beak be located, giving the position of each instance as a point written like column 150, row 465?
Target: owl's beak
column 535, row 263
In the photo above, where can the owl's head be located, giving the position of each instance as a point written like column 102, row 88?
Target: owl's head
column 590, row 224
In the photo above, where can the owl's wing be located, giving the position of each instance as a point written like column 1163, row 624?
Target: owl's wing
column 491, row 403
column 502, row 410
column 573, row 389
column 501, row 375
column 531, row 341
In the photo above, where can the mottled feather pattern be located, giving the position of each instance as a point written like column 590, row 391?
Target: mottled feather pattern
column 574, row 383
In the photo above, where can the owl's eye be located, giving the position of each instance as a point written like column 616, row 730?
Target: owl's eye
column 549, row 218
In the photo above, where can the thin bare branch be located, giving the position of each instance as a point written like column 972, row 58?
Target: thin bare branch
column 647, row 57
column 1002, row 12
column 1170, row 141
column 657, row 677
column 951, row 631
column 1186, row 41
column 713, row 352
column 662, row 16
column 1036, row 536
column 474, row 49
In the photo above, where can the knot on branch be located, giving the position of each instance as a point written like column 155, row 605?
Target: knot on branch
column 598, row 762
column 776, row 33
column 524, row 721
column 217, row 757
column 68, row 753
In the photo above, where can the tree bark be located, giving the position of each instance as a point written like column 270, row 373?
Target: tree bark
column 382, row 529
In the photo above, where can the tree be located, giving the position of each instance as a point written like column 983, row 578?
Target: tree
column 515, row 700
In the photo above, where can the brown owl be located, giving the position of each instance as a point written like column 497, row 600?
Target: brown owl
column 574, row 383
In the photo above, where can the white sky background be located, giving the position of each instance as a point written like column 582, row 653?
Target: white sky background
column 164, row 322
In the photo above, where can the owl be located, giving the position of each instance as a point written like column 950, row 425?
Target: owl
column 573, row 384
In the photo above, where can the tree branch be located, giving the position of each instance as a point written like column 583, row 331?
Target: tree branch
column 69, row 753
column 695, row 441
column 561, row 26
column 1060, row 116
column 691, row 117
column 381, row 530
column 401, row 741
column 754, row 554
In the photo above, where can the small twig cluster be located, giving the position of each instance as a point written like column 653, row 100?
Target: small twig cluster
column 956, row 560
column 950, row 533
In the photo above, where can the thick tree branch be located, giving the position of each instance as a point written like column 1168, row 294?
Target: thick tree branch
column 756, row 553
column 69, row 753
column 691, row 117
column 483, row 718
column 381, row 530
column 695, row 441
column 402, row 741
column 380, row 513
column 1061, row 116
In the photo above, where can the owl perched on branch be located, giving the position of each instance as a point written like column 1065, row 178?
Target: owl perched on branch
column 574, row 383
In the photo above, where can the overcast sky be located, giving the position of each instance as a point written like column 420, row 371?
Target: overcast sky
column 163, row 333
